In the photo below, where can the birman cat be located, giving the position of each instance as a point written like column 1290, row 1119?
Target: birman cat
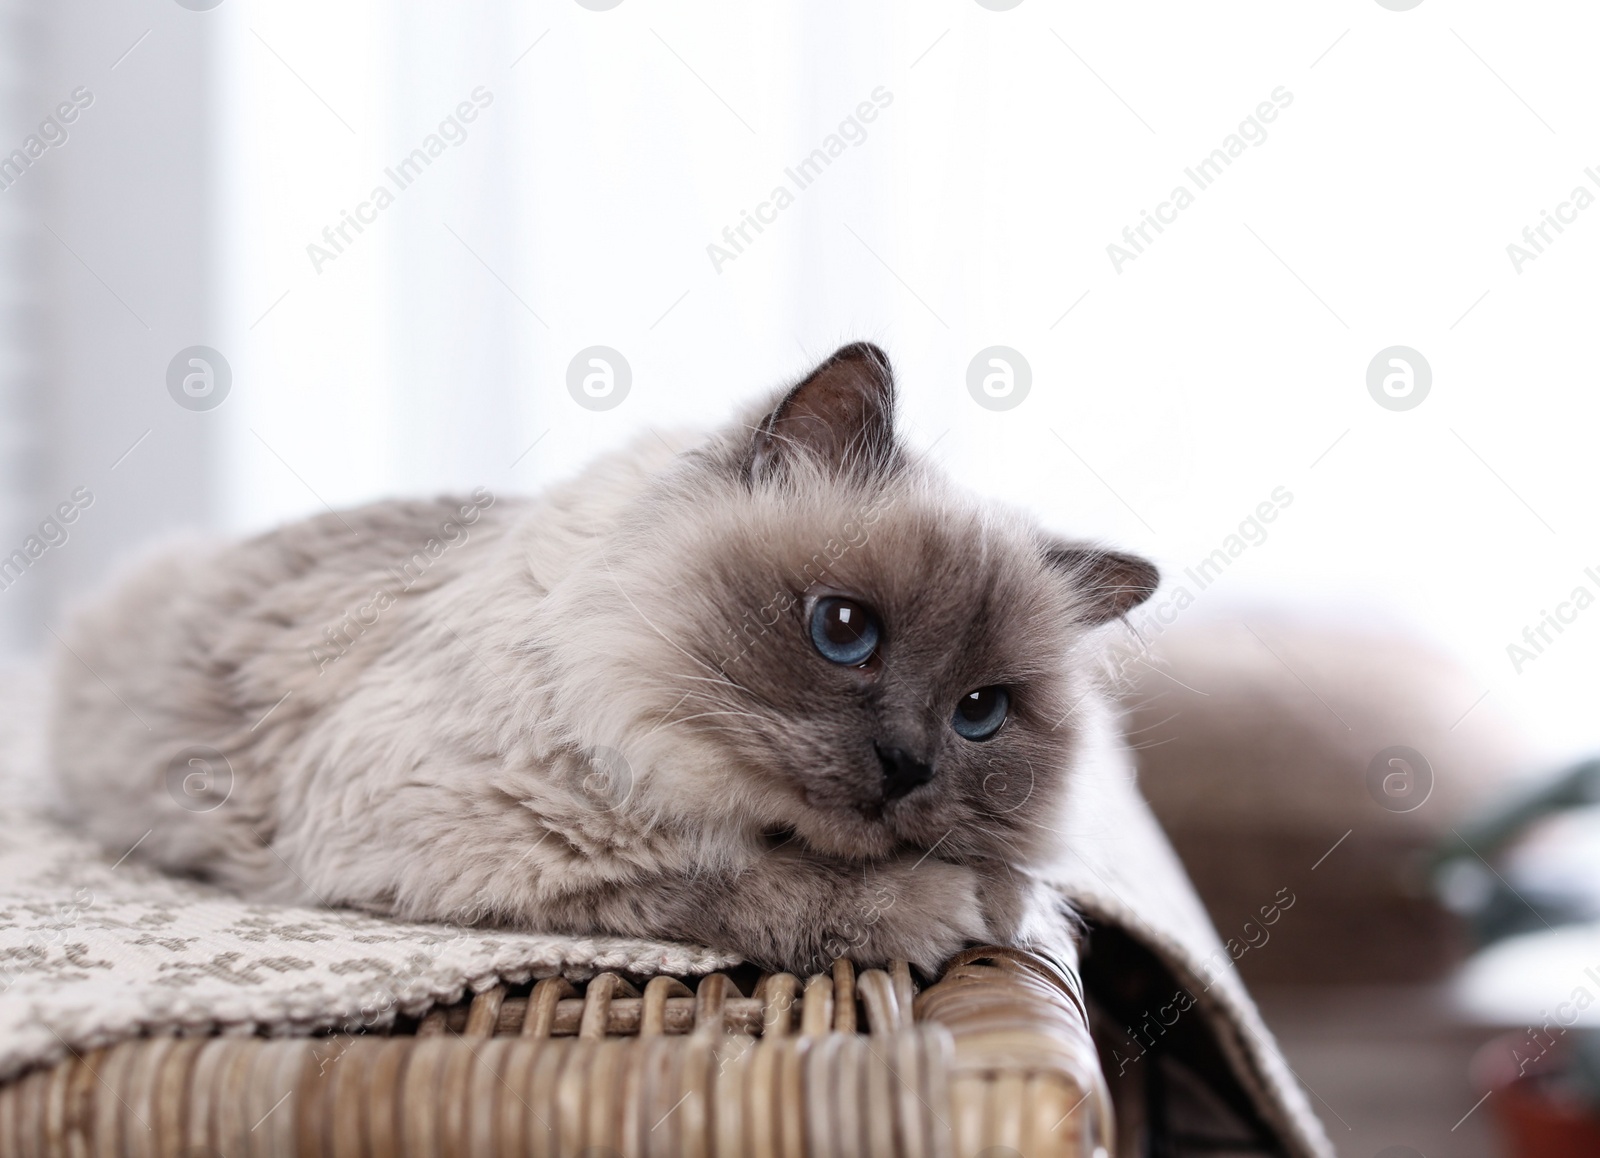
column 781, row 689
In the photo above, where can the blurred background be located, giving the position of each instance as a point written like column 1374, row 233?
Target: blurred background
column 1332, row 262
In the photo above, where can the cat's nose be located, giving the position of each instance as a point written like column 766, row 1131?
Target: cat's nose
column 901, row 771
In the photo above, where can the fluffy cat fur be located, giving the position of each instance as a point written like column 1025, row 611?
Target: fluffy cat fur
column 599, row 710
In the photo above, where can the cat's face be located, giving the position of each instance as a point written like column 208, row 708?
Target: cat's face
column 890, row 665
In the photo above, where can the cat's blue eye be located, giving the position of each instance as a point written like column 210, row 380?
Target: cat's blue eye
column 844, row 631
column 979, row 714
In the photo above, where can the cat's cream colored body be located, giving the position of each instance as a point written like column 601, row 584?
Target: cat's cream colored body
column 358, row 758
column 410, row 696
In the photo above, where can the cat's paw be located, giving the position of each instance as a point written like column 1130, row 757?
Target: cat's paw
column 923, row 913
column 1023, row 910
column 1044, row 919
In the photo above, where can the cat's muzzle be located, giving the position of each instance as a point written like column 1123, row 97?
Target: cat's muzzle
column 901, row 771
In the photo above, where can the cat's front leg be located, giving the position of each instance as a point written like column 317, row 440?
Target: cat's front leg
column 921, row 910
column 792, row 910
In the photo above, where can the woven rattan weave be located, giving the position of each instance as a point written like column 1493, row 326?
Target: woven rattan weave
column 994, row 1059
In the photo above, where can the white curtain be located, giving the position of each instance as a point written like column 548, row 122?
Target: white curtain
column 1006, row 191
column 20, row 425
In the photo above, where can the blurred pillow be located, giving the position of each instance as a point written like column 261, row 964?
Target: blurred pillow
column 1303, row 771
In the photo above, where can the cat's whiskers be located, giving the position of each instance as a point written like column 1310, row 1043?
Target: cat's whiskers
column 666, row 717
column 698, row 693
column 623, row 591
column 706, row 696
column 1071, row 710
column 725, row 712
column 1151, row 727
column 1146, row 745
column 726, row 681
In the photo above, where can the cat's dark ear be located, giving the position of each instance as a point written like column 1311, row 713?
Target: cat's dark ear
column 841, row 415
column 1110, row 583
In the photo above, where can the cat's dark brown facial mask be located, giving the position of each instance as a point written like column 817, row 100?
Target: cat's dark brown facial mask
column 915, row 683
